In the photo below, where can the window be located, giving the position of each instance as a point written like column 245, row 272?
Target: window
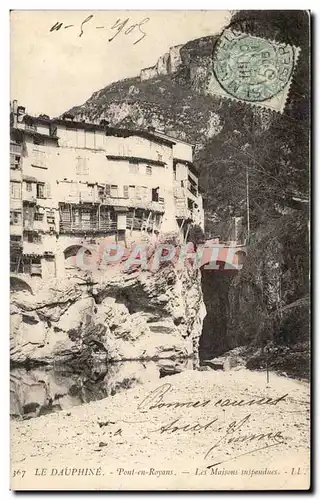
column 133, row 168
column 38, row 158
column 15, row 239
column 85, row 216
column 14, row 161
column 40, row 191
column 114, row 191
column 155, row 194
column 138, row 192
column 47, row 191
column 126, row 191
column 148, row 170
column 132, row 191
column 33, row 238
column 144, row 193
column 82, row 167
column 29, row 186
column 159, row 156
column 15, row 190
column 38, row 217
column 15, row 218
column 108, row 190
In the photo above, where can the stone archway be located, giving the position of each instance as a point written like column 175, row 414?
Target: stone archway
column 73, row 259
column 19, row 285
column 240, row 257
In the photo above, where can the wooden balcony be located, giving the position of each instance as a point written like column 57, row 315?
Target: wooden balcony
column 16, row 149
column 88, row 227
column 155, row 206
column 183, row 213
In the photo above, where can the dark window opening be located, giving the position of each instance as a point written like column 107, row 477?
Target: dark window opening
column 155, row 194
column 38, row 217
column 40, row 191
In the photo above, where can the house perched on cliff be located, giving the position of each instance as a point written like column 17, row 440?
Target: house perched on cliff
column 74, row 184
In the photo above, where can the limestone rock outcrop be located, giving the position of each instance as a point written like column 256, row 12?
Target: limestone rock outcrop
column 110, row 317
column 167, row 64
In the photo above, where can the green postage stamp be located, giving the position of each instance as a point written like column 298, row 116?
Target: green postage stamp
column 253, row 69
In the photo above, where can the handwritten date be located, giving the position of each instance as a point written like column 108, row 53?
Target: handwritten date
column 120, row 26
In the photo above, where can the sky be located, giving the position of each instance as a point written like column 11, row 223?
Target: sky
column 51, row 71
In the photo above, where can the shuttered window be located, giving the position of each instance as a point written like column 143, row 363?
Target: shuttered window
column 82, row 167
column 133, row 168
column 48, row 191
column 114, row 191
column 15, row 190
column 38, row 158
column 126, row 191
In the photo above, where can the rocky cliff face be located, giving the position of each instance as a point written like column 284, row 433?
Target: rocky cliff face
column 124, row 316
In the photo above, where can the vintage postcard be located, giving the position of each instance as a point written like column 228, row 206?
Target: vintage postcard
column 159, row 250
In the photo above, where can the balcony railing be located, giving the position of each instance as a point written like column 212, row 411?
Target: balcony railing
column 16, row 149
column 156, row 206
column 193, row 190
column 30, row 127
column 85, row 227
column 15, row 245
column 183, row 213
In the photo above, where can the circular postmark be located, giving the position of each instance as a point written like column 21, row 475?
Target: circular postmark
column 251, row 68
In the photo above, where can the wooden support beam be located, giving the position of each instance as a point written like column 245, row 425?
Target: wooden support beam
column 132, row 223
column 187, row 232
column 70, row 216
column 147, row 222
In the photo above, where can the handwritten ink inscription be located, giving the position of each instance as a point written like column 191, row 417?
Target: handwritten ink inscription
column 120, row 26
column 224, row 439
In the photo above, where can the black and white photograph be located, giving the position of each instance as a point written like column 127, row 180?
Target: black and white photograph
column 160, row 250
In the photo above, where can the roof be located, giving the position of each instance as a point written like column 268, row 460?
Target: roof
column 116, row 131
column 188, row 163
column 153, row 136
column 20, row 131
column 136, row 159
column 28, row 178
column 120, row 132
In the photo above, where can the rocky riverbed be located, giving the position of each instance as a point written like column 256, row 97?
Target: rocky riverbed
column 196, row 429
